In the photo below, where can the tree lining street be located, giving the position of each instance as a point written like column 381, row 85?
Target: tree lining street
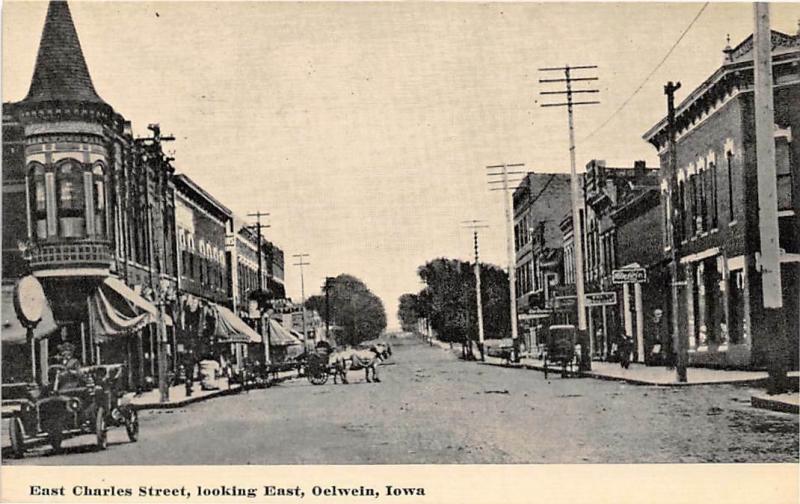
column 433, row 408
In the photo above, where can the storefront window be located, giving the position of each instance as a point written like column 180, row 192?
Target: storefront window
column 736, row 306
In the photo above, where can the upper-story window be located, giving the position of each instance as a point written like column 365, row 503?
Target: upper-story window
column 99, row 200
column 783, row 171
column 729, row 166
column 38, row 203
column 59, row 204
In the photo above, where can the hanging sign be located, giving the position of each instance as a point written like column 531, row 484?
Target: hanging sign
column 629, row 275
column 601, row 298
column 29, row 301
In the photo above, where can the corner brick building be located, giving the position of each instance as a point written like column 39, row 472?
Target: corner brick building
column 711, row 202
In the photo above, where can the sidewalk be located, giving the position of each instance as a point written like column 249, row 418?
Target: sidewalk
column 639, row 374
column 178, row 397
column 785, row 403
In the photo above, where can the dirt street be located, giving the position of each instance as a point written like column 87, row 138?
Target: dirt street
column 432, row 408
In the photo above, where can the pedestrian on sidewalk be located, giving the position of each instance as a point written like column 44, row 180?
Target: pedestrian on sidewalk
column 625, row 350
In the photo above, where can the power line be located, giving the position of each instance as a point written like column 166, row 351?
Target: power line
column 646, row 79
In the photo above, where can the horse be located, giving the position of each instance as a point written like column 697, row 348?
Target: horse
column 355, row 359
column 384, row 349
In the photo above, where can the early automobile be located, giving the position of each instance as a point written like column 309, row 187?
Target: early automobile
column 75, row 402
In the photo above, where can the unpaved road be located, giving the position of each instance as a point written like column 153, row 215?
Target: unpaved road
column 432, row 408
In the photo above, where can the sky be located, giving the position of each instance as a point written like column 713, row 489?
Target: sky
column 365, row 128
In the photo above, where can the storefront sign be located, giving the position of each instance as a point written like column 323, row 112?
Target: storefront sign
column 629, row 275
column 601, row 298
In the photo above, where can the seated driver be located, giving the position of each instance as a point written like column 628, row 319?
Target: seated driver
column 72, row 376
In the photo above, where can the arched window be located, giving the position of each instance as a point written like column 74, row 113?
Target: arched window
column 38, row 200
column 70, row 200
column 99, row 200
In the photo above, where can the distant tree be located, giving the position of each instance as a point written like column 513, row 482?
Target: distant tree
column 409, row 312
column 354, row 308
column 448, row 300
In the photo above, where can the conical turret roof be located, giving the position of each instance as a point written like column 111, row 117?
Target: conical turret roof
column 61, row 73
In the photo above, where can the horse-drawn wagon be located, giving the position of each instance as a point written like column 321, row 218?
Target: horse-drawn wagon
column 560, row 341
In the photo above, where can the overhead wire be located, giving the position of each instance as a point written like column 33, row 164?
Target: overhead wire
column 652, row 72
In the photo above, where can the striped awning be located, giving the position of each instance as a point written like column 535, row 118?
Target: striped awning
column 231, row 329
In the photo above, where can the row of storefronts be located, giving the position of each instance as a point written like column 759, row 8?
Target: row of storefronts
column 136, row 262
column 629, row 216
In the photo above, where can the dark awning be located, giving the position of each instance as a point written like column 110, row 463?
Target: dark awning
column 116, row 309
column 231, row 329
column 12, row 331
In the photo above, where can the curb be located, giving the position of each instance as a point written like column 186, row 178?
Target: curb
column 774, row 405
column 188, row 400
column 633, row 381
column 218, row 393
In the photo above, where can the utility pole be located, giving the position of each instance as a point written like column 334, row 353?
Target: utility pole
column 301, row 262
column 259, row 227
column 769, row 257
column 577, row 226
column 475, row 225
column 156, row 219
column 678, row 340
column 260, row 321
column 327, row 288
column 512, row 266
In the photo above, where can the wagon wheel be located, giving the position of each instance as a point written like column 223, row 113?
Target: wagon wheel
column 132, row 425
column 318, row 375
column 17, row 438
column 100, row 429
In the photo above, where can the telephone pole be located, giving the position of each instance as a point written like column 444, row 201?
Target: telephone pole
column 327, row 288
column 678, row 342
column 259, row 227
column 577, row 225
column 301, row 262
column 152, row 148
column 259, row 298
column 769, row 257
column 501, row 177
column 475, row 225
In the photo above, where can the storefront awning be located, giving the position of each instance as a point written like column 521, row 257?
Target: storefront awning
column 117, row 309
column 280, row 336
column 12, row 331
column 139, row 303
column 231, row 329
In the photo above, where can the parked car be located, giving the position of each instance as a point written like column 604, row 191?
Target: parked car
column 75, row 402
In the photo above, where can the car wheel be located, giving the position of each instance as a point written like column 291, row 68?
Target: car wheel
column 132, row 426
column 17, row 438
column 100, row 429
